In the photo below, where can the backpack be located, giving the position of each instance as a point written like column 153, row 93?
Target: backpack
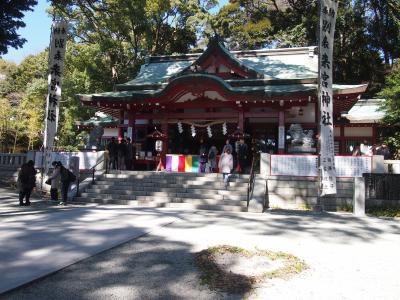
column 71, row 176
column 67, row 175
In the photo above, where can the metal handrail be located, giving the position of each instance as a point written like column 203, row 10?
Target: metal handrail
column 250, row 184
column 94, row 168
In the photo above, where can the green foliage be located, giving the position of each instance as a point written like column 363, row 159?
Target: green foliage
column 244, row 24
column 5, row 122
column 109, row 40
column 391, row 93
column 125, row 31
column 249, row 24
column 11, row 21
column 384, row 212
column 7, row 69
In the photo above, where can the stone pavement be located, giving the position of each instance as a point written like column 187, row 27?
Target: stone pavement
column 43, row 238
column 349, row 257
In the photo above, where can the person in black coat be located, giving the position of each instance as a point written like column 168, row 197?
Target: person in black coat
column 66, row 180
column 26, row 182
column 243, row 152
column 112, row 148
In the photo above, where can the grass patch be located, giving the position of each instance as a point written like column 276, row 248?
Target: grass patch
column 213, row 275
column 347, row 207
column 384, row 212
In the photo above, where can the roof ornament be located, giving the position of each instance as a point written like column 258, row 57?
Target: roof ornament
column 239, row 134
column 156, row 134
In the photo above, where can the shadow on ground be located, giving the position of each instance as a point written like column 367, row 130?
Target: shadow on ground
column 147, row 268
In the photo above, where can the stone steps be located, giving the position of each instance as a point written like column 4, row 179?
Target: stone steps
column 165, row 191
column 190, row 180
column 162, row 195
column 172, row 202
column 162, row 189
column 146, row 174
column 192, row 185
column 114, row 189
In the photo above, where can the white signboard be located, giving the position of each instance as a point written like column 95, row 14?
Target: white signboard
column 328, row 12
column 294, row 165
column 307, row 165
column 352, row 166
column 87, row 160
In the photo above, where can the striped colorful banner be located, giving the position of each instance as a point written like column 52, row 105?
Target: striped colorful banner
column 182, row 163
column 175, row 163
column 168, row 163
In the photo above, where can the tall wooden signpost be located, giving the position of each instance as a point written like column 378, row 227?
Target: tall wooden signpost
column 328, row 12
column 58, row 43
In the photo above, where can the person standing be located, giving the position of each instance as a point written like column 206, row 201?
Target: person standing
column 356, row 150
column 243, row 152
column 26, row 182
column 227, row 146
column 130, row 154
column 54, row 180
column 212, row 159
column 225, row 165
column 112, row 148
column 383, row 149
column 203, row 152
column 65, row 177
column 121, row 154
column 365, row 149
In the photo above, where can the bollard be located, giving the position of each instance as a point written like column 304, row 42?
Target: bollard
column 359, row 197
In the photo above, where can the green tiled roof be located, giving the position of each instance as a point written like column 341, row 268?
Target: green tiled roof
column 292, row 63
column 98, row 121
column 156, row 73
column 278, row 72
column 265, row 90
column 283, row 66
column 366, row 110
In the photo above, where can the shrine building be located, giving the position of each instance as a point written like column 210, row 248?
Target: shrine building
column 209, row 95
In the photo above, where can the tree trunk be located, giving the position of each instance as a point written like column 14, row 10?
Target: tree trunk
column 15, row 141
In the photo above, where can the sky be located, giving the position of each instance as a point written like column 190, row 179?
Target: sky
column 37, row 32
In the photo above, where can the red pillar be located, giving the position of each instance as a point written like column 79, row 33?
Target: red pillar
column 342, row 140
column 121, row 123
column 241, row 120
column 281, row 132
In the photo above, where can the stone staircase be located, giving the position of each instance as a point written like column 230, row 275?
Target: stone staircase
column 165, row 189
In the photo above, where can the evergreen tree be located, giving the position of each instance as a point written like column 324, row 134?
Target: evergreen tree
column 11, row 14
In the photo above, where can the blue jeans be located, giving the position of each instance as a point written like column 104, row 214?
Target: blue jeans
column 226, row 178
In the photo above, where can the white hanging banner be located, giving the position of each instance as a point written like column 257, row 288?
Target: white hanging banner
column 58, row 42
column 328, row 14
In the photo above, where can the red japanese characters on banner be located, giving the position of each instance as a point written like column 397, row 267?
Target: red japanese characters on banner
column 327, row 157
column 57, row 47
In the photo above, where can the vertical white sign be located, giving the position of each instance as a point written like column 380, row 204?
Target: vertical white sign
column 58, row 44
column 130, row 132
column 328, row 14
column 281, row 137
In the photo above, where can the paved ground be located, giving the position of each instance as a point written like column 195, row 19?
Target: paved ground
column 349, row 258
